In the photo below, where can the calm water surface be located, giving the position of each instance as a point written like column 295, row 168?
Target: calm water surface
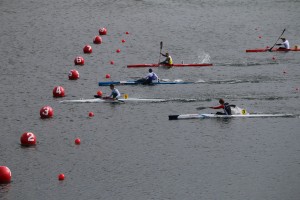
column 132, row 151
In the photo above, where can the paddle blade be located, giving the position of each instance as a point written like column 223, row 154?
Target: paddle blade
column 161, row 45
column 201, row 108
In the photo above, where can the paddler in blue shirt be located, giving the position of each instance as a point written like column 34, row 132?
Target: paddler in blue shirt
column 168, row 59
column 285, row 44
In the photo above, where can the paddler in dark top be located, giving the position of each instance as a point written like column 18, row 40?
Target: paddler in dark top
column 168, row 59
column 224, row 106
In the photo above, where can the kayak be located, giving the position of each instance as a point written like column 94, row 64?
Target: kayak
column 171, row 65
column 122, row 100
column 275, row 49
column 140, row 83
column 203, row 116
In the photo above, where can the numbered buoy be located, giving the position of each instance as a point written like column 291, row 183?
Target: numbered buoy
column 77, row 141
column 73, row 74
column 97, row 40
column 79, row 60
column 112, row 62
column 87, row 49
column 107, row 76
column 102, row 31
column 28, row 139
column 118, row 50
column 91, row 114
column 58, row 91
column 46, row 112
column 123, row 41
column 61, row 177
column 5, row 175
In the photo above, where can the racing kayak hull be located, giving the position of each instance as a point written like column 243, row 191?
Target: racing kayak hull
column 140, row 83
column 274, row 49
column 203, row 116
column 171, row 65
column 98, row 100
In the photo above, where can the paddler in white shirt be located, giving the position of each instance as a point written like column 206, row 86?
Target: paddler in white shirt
column 115, row 94
column 285, row 44
column 150, row 78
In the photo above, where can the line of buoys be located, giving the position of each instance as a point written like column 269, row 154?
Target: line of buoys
column 58, row 91
column 102, row 31
column 87, row 49
column 97, row 40
column 79, row 60
column 73, row 74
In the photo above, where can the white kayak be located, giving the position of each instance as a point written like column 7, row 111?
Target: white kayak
column 122, row 100
column 203, row 116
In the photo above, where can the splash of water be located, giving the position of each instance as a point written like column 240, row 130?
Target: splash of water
column 203, row 57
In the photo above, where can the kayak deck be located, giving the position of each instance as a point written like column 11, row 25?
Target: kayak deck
column 170, row 65
column 203, row 116
column 140, row 83
column 98, row 100
column 275, row 49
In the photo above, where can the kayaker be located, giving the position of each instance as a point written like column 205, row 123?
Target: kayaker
column 115, row 94
column 224, row 106
column 150, row 78
column 285, row 44
column 168, row 59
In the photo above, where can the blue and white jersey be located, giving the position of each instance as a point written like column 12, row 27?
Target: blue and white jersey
column 152, row 76
column 115, row 93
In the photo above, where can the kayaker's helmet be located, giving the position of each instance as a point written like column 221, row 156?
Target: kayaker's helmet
column 150, row 70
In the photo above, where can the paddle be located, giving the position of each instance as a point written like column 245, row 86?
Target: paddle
column 201, row 108
column 161, row 46
column 276, row 40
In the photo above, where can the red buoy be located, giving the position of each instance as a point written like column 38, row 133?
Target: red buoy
column 91, row 114
column 46, row 112
column 107, row 76
column 126, row 32
column 260, row 37
column 102, row 31
column 61, row 177
column 123, row 41
column 97, row 40
column 79, row 60
column 58, row 91
column 73, row 74
column 112, row 62
column 77, row 141
column 28, row 139
column 5, row 175
column 118, row 50
column 99, row 93
column 87, row 49
column 273, row 58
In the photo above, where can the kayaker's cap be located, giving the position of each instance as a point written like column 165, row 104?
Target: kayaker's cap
column 150, row 70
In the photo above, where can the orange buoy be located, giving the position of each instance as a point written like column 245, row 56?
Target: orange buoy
column 5, row 175
column 87, row 49
column 79, row 60
column 28, row 139
column 97, row 40
column 58, row 91
column 46, row 112
column 99, row 93
column 73, row 74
